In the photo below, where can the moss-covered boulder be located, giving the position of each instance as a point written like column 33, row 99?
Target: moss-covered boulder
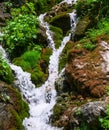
column 57, row 35
column 13, row 108
column 42, row 37
column 6, row 72
column 81, row 27
column 64, row 55
column 36, row 63
column 62, row 21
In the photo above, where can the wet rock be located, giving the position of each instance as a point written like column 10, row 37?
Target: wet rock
column 61, row 85
column 58, row 9
column 12, row 108
column 4, row 14
column 42, row 37
column 87, row 115
column 57, row 21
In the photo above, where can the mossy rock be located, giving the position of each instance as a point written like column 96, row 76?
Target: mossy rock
column 62, row 21
column 82, row 26
column 58, row 109
column 46, row 53
column 57, row 35
column 40, row 70
column 6, row 72
column 13, row 108
column 64, row 55
column 37, row 76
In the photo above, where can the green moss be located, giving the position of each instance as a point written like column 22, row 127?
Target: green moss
column 16, row 120
column 6, row 72
column 20, row 105
column 30, row 62
column 57, row 35
column 16, row 107
column 57, row 111
column 37, row 76
column 64, row 55
column 46, row 53
column 57, row 21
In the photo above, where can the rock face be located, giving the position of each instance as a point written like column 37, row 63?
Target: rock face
column 3, row 14
column 86, row 71
column 12, row 108
column 87, row 115
column 85, row 80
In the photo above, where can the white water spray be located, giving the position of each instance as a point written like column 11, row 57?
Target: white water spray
column 41, row 100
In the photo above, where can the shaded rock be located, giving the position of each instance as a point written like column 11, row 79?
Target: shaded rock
column 42, row 37
column 4, row 14
column 62, row 21
column 12, row 108
column 61, row 84
column 82, row 27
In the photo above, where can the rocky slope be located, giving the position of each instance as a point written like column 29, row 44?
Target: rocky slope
column 83, row 88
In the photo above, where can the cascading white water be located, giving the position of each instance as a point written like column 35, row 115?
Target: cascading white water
column 41, row 100
column 69, row 1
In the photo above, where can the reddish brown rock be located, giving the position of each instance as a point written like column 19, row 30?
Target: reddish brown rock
column 87, row 71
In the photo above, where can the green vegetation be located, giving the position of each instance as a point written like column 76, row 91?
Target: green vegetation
column 104, row 121
column 57, row 35
column 31, row 57
column 98, row 8
column 87, row 44
column 64, row 55
column 101, row 29
column 5, row 72
column 42, row 6
column 21, row 31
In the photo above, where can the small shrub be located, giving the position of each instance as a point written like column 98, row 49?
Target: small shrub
column 21, row 31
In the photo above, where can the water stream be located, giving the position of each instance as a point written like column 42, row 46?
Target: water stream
column 41, row 100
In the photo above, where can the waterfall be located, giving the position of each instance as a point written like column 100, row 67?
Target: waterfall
column 41, row 100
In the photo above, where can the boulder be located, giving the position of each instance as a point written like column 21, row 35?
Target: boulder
column 62, row 21
column 85, row 116
column 87, row 71
column 81, row 27
column 3, row 14
column 42, row 37
column 12, row 108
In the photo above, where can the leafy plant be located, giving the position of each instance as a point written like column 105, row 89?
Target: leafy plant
column 87, row 44
column 5, row 71
column 102, row 28
column 104, row 121
column 21, row 31
column 78, row 111
column 27, row 8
